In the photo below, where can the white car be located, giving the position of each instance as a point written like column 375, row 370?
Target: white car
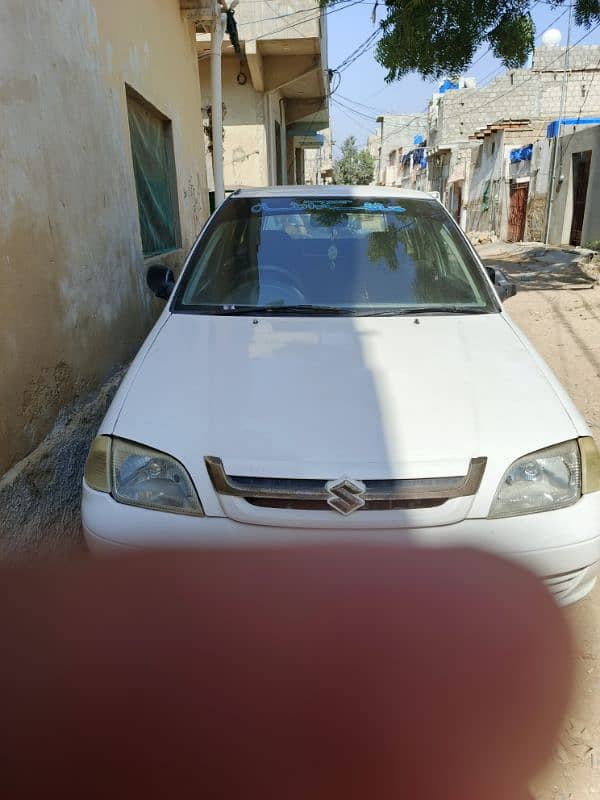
column 335, row 363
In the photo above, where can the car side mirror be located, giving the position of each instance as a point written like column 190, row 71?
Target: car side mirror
column 161, row 280
column 503, row 286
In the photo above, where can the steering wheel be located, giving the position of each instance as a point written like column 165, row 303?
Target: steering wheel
column 270, row 277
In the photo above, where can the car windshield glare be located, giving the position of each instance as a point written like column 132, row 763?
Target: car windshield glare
column 355, row 256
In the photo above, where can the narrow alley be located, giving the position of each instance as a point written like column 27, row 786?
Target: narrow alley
column 558, row 308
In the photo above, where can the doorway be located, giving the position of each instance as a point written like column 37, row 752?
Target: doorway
column 517, row 212
column 581, row 174
column 278, row 172
column 299, row 166
column 457, row 201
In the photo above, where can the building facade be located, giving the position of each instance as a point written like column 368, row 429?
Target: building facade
column 318, row 161
column 496, row 177
column 573, row 218
column 103, row 173
column 489, row 159
column 275, row 86
column 398, row 135
column 525, row 93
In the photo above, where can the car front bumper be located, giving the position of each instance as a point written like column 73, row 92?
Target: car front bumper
column 562, row 547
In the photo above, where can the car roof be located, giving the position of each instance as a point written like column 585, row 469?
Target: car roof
column 332, row 191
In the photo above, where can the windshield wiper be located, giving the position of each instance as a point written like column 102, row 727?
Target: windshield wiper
column 282, row 310
column 418, row 311
column 309, row 309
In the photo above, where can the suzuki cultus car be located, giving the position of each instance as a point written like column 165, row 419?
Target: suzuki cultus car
column 335, row 363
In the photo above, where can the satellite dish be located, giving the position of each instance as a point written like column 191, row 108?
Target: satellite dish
column 552, row 37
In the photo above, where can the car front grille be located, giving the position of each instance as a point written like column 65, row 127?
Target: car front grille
column 345, row 496
column 322, row 505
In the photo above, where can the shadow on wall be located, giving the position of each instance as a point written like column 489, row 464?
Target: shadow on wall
column 40, row 496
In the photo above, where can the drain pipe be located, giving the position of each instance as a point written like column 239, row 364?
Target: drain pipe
column 217, row 33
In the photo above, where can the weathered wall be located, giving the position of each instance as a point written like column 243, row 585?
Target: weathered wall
column 288, row 19
column 245, row 143
column 539, row 167
column 249, row 151
column 552, row 57
column 486, row 173
column 40, row 496
column 399, row 131
column 520, row 93
column 318, row 159
column 562, row 207
column 491, row 164
column 73, row 300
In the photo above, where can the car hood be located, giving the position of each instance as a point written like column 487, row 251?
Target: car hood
column 320, row 397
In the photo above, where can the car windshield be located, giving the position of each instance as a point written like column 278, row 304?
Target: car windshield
column 354, row 256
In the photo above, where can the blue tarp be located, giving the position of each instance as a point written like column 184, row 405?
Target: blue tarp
column 521, row 154
column 552, row 129
column 447, row 84
column 419, row 139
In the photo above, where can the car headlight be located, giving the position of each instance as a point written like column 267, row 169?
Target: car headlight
column 140, row 476
column 548, row 479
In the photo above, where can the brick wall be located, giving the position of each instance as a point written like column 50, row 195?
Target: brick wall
column 520, row 94
column 580, row 57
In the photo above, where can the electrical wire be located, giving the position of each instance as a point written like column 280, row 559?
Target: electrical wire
column 342, row 5
column 519, row 85
column 587, row 94
column 547, row 28
column 359, row 114
column 345, row 112
column 509, row 91
column 358, row 51
column 383, row 112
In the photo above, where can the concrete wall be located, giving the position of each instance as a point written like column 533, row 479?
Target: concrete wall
column 562, row 208
column 246, row 154
column 486, row 171
column 490, row 162
column 539, row 170
column 520, row 93
column 318, row 159
column 581, row 57
column 73, row 300
column 287, row 19
column 399, row 131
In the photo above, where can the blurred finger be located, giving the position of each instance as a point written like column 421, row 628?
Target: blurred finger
column 333, row 672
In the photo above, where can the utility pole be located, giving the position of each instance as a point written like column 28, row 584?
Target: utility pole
column 556, row 161
column 380, row 120
column 217, row 33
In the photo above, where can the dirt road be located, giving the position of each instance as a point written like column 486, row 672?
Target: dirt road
column 558, row 308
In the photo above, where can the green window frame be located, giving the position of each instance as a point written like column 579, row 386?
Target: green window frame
column 155, row 176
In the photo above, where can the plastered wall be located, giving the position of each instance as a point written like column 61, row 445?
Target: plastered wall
column 73, row 299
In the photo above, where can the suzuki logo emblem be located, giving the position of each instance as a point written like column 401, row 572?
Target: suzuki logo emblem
column 345, row 496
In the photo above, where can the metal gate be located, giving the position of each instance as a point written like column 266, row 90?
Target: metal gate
column 518, row 211
column 581, row 174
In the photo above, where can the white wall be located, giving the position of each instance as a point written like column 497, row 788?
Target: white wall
column 562, row 209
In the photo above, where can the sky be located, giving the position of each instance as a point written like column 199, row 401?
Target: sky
column 363, row 94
